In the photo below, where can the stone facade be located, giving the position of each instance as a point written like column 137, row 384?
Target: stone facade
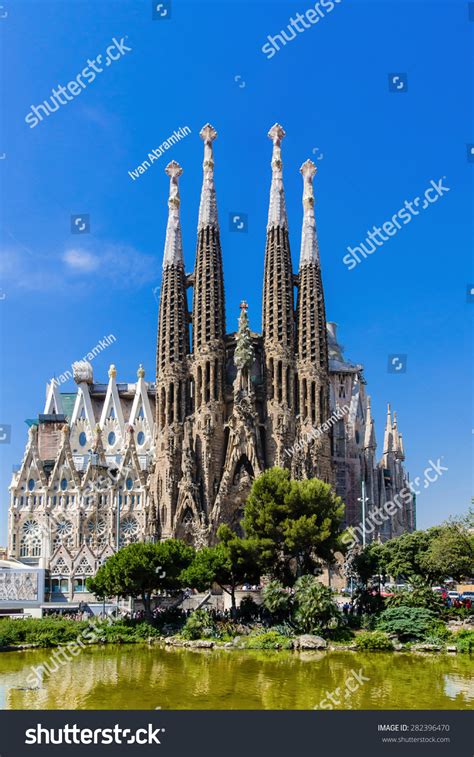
column 114, row 463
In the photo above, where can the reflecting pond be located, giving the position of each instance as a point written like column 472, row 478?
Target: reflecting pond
column 150, row 677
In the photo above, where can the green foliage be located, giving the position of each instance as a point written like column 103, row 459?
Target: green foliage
column 368, row 602
column 231, row 562
column 367, row 562
column 140, row 569
column 295, row 523
column 464, row 641
column 408, row 623
column 248, row 609
column 43, row 631
column 449, row 554
column 420, row 595
column 373, row 641
column 341, row 635
column 271, row 639
column 315, row 606
column 49, row 632
column 199, row 625
column 276, row 599
column 434, row 555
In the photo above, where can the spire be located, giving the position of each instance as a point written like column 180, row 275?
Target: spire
column 278, row 299
column 312, row 334
column 309, row 240
column 369, row 438
column 208, row 298
column 208, row 205
column 388, row 436
column 173, row 332
column 173, row 254
column 395, row 433
column 277, row 210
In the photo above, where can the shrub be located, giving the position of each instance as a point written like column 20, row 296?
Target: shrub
column 373, row 641
column 276, row 599
column 421, row 595
column 464, row 640
column 315, row 604
column 408, row 623
column 267, row 640
column 248, row 609
column 199, row 625
column 341, row 635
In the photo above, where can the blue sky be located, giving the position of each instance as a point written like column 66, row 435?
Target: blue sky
column 374, row 149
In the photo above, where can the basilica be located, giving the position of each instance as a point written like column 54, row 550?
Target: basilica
column 115, row 462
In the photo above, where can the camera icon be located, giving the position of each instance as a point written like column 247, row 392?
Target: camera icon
column 80, row 224
column 398, row 82
column 470, row 293
column 397, row 363
column 470, row 153
column 238, row 222
column 161, row 10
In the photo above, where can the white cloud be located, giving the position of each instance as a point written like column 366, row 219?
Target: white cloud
column 77, row 268
column 80, row 260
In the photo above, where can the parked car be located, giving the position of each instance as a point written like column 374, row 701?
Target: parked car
column 453, row 595
column 467, row 595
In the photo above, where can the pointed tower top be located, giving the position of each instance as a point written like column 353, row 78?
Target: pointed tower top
column 277, row 210
column 173, row 254
column 208, row 204
column 141, row 371
column 309, row 240
column 112, row 371
column 369, row 438
column 388, row 436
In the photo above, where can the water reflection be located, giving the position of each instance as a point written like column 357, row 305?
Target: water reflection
column 126, row 677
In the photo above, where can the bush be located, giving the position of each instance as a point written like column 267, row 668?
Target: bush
column 248, row 609
column 267, row 640
column 464, row 641
column 408, row 623
column 342, row 635
column 45, row 632
column 373, row 641
column 199, row 625
column 315, row 605
column 421, row 595
column 276, row 600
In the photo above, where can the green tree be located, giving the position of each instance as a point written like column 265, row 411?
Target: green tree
column 315, row 605
column 450, row 554
column 231, row 562
column 296, row 524
column 140, row 569
column 434, row 555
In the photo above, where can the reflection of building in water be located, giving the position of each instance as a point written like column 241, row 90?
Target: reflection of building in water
column 113, row 463
column 457, row 685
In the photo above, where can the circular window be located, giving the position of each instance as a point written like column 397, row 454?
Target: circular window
column 64, row 484
column 140, row 438
column 111, row 438
column 82, row 439
column 31, row 484
column 129, row 483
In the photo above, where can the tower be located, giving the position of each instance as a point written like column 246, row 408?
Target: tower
column 312, row 347
column 172, row 359
column 278, row 318
column 208, row 324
